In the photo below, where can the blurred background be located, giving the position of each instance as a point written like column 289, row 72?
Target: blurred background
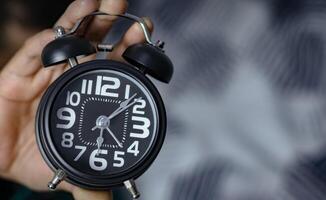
column 246, row 107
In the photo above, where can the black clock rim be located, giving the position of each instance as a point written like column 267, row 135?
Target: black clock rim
column 81, row 179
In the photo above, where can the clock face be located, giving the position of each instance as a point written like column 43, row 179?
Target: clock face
column 103, row 122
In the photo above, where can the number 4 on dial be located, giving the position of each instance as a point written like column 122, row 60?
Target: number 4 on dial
column 134, row 148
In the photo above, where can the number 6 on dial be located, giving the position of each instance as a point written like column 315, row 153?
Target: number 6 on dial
column 96, row 163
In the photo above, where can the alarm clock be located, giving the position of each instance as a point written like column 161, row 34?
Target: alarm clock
column 102, row 123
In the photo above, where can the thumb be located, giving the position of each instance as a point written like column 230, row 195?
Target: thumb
column 82, row 194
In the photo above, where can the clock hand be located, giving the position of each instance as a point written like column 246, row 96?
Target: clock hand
column 95, row 127
column 124, row 108
column 117, row 141
column 100, row 141
column 124, row 103
column 101, row 122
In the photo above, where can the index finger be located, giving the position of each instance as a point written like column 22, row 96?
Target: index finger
column 26, row 62
column 101, row 24
column 75, row 11
column 82, row 194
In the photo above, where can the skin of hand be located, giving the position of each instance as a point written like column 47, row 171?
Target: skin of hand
column 23, row 81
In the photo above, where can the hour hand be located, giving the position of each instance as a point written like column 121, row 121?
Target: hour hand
column 94, row 128
column 100, row 141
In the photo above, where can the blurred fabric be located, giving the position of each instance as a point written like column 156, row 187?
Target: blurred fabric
column 246, row 106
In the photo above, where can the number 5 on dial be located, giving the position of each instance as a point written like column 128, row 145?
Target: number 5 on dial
column 120, row 161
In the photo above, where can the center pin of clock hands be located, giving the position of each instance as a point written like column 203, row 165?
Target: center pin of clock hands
column 103, row 122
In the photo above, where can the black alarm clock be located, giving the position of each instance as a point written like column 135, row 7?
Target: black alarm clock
column 102, row 123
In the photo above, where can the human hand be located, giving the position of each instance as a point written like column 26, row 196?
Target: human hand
column 22, row 83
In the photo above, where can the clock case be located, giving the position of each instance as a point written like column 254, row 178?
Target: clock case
column 144, row 59
column 56, row 162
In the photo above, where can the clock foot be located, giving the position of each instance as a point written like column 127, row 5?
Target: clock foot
column 56, row 180
column 131, row 187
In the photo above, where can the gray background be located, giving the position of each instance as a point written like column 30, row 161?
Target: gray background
column 246, row 106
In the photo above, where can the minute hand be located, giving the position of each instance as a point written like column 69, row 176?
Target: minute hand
column 124, row 103
column 123, row 108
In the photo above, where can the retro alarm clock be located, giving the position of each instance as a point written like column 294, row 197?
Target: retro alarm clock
column 102, row 123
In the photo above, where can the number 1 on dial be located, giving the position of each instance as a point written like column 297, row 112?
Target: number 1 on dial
column 127, row 93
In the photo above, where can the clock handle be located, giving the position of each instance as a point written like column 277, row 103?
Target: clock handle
column 149, row 58
column 129, row 16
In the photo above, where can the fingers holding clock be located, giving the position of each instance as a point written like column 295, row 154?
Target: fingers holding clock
column 82, row 194
column 21, row 69
column 133, row 35
column 25, row 66
column 75, row 11
column 26, row 61
column 100, row 25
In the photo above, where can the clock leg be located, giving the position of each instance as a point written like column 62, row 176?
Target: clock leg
column 56, row 180
column 131, row 187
